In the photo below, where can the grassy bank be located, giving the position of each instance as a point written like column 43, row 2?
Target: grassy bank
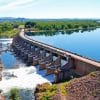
column 9, row 33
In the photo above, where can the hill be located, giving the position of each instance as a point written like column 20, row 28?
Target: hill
column 12, row 19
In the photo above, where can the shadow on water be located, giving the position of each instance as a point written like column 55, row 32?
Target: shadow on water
column 43, row 74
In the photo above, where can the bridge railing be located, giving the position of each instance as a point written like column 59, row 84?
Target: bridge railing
column 58, row 50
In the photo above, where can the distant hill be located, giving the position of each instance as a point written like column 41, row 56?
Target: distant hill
column 12, row 19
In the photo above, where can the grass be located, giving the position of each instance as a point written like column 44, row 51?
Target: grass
column 62, row 88
column 9, row 34
column 46, row 91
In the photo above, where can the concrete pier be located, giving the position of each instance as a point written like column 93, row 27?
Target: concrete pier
column 26, row 48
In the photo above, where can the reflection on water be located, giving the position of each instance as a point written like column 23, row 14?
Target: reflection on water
column 52, row 33
column 7, row 58
column 85, row 43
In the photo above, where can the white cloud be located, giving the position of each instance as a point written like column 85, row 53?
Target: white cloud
column 15, row 4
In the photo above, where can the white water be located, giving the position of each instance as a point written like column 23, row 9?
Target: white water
column 5, row 40
column 22, row 78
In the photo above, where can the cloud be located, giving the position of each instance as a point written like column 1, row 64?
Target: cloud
column 15, row 4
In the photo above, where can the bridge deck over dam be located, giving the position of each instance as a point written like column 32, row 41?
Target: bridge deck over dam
column 81, row 65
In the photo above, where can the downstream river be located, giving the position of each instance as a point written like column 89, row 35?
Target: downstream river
column 16, row 74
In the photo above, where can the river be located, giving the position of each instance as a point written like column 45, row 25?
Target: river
column 17, row 74
column 84, row 43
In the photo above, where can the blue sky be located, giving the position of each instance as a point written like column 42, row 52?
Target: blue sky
column 50, row 8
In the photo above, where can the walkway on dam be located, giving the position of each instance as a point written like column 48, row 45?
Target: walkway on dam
column 59, row 51
column 33, row 52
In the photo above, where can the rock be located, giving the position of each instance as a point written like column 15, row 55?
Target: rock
column 85, row 88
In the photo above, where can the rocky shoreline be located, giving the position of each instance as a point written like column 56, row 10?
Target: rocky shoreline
column 84, row 88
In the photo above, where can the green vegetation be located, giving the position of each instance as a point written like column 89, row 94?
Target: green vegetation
column 14, row 94
column 62, row 88
column 9, row 29
column 62, row 25
column 46, row 91
column 9, row 34
column 30, row 24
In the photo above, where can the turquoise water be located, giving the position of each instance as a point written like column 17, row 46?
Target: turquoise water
column 85, row 43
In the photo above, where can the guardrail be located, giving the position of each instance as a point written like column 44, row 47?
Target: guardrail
column 58, row 51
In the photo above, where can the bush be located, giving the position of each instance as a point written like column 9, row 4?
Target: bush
column 46, row 90
column 14, row 94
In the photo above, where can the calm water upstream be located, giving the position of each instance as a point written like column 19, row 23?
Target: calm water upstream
column 85, row 43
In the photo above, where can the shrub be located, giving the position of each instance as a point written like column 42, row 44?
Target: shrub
column 46, row 90
column 14, row 94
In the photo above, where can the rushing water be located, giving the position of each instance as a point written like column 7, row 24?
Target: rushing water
column 9, row 61
column 83, row 43
column 22, row 77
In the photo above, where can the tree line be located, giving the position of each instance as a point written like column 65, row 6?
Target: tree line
column 9, row 29
column 62, row 25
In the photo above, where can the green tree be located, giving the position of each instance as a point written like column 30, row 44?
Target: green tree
column 30, row 24
column 14, row 94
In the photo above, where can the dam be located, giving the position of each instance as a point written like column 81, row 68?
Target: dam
column 62, row 63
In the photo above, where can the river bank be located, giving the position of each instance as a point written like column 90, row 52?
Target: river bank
column 84, row 88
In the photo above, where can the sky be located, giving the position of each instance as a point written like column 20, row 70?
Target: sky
column 50, row 8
